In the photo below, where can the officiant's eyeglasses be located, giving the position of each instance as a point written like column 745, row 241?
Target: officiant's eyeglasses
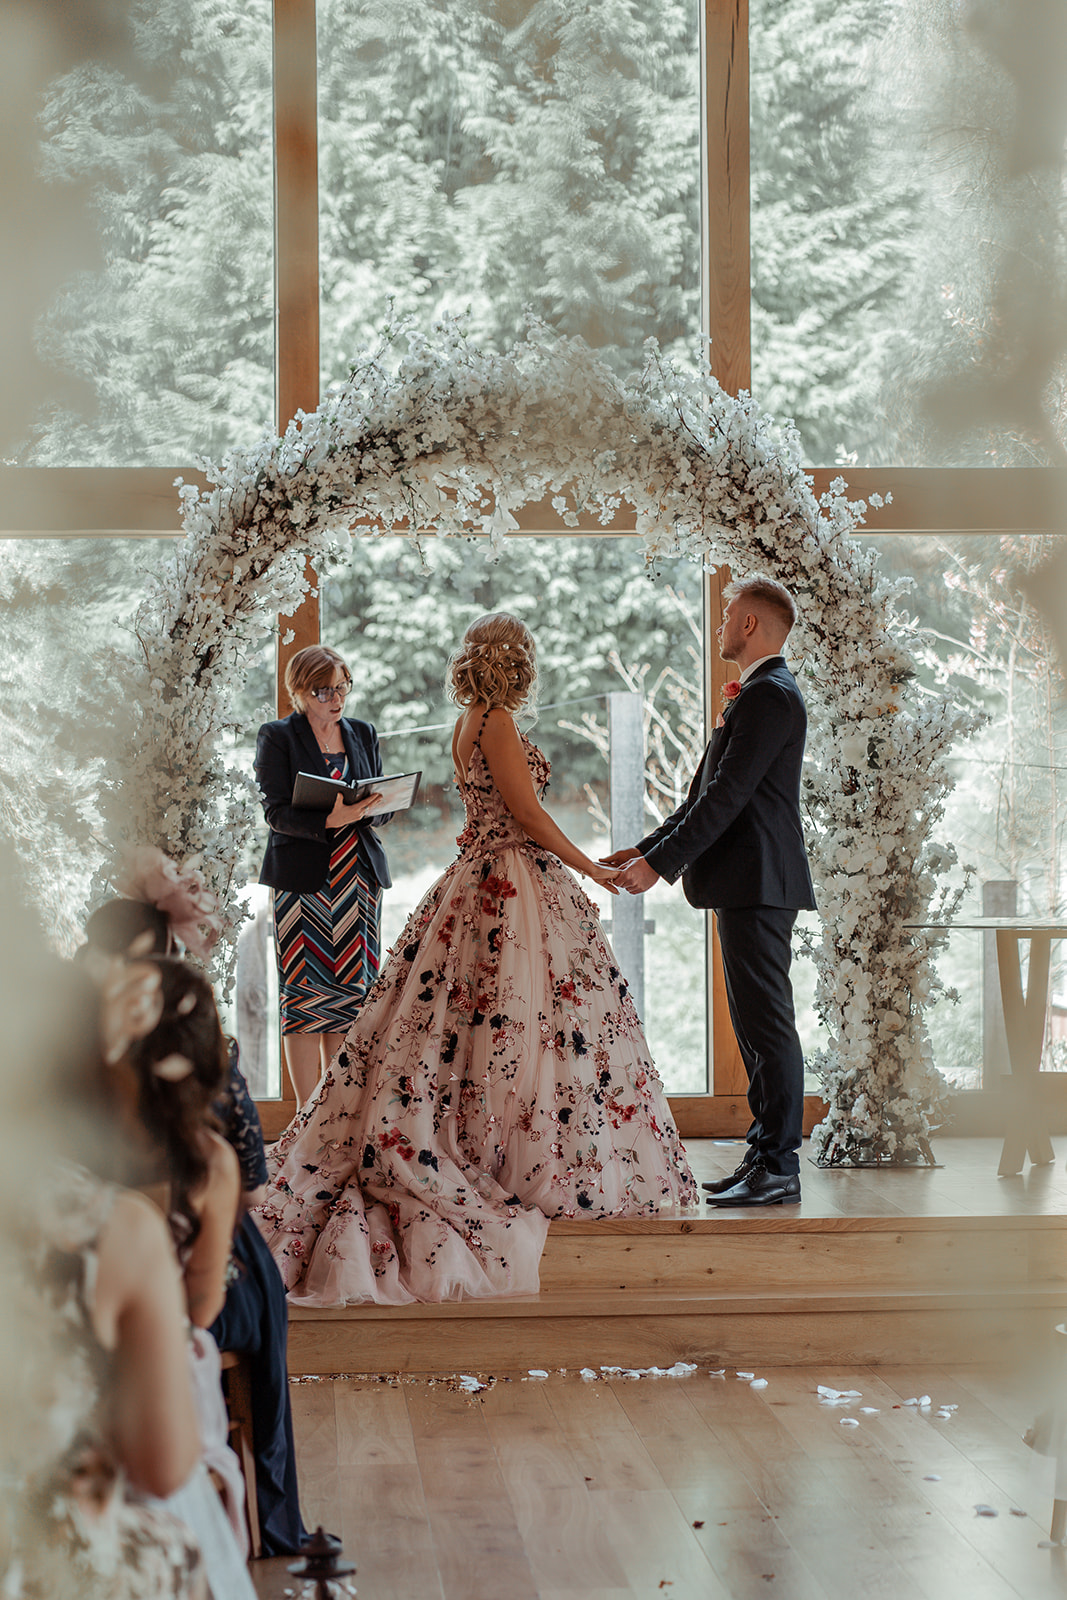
column 335, row 691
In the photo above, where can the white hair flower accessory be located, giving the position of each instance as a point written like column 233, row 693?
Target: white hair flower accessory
column 172, row 1068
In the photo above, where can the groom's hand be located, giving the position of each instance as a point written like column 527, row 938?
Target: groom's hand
column 637, row 876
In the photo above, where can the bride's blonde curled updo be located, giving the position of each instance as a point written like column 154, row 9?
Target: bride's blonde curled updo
column 495, row 664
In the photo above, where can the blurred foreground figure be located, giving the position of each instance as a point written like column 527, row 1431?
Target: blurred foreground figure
column 240, row 1296
column 95, row 1397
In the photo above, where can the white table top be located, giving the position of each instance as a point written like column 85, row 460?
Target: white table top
column 1022, row 927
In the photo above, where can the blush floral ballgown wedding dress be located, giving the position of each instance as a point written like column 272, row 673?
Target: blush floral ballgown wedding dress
column 497, row 1077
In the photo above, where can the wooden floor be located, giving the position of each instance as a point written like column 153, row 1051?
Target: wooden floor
column 926, row 1264
column 695, row 1488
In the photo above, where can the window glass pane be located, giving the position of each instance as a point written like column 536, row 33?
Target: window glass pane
column 907, row 229
column 1007, row 813
column 140, row 306
column 813, row 1034
column 601, row 627
column 501, row 156
column 63, row 604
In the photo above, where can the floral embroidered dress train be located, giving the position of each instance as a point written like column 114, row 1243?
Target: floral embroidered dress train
column 498, row 1076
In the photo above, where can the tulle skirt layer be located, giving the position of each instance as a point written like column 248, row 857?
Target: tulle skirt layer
column 498, row 1076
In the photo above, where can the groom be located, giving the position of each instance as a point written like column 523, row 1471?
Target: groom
column 737, row 843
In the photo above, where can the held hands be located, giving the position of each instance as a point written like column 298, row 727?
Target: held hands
column 342, row 813
column 606, row 877
column 636, row 875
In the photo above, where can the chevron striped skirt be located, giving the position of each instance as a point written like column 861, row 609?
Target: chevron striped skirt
column 328, row 946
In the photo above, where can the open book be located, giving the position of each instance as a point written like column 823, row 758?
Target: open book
column 319, row 794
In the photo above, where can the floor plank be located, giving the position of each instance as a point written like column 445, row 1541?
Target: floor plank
column 694, row 1488
column 478, row 1544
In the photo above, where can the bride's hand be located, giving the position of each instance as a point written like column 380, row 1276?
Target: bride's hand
column 619, row 858
column 604, row 876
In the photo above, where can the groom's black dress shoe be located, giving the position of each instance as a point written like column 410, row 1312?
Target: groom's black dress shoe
column 720, row 1186
column 760, row 1188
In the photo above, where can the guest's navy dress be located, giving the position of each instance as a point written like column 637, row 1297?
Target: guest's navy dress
column 254, row 1321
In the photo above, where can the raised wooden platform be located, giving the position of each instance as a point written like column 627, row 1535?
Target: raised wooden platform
column 950, row 1264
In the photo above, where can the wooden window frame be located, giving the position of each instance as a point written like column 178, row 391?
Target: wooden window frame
column 141, row 503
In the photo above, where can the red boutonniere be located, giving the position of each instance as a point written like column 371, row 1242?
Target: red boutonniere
column 730, row 691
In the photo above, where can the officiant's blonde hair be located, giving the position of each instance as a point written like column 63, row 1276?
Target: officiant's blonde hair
column 496, row 663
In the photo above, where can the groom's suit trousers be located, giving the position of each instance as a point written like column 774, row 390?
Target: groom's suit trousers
column 756, row 945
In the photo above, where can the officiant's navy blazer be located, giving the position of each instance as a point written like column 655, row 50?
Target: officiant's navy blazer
column 737, row 840
column 298, row 850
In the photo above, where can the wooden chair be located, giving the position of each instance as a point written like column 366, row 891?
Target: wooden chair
column 237, row 1388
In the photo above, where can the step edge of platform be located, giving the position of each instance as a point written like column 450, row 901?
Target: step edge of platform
column 758, row 1221
column 680, row 1303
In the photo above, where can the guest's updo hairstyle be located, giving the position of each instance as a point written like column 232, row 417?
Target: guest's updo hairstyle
column 312, row 668
column 495, row 664
column 181, row 1067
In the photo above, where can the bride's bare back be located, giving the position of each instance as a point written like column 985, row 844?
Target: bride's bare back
column 495, row 734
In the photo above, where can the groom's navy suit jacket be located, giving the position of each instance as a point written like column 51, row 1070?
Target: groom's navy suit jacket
column 737, row 840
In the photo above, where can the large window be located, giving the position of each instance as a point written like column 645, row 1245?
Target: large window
column 907, row 233
column 149, row 320
column 244, row 198
column 497, row 159
column 1007, row 812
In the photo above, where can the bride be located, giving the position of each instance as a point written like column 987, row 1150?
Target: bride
column 498, row 1074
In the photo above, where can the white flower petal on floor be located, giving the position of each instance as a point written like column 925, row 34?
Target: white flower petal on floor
column 837, row 1397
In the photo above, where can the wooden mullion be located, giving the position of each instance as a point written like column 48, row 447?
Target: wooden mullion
column 726, row 1115
column 726, row 303
column 726, row 267
column 296, row 257
column 728, row 1075
column 955, row 501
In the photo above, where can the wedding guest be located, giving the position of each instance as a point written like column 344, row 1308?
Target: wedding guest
column 253, row 1318
column 327, row 870
column 737, row 843
column 255, row 1322
column 498, row 1074
column 100, row 1367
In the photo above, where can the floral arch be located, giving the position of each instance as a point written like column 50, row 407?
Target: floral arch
column 458, row 439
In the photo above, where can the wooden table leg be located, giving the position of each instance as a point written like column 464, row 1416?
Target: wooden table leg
column 1025, row 1017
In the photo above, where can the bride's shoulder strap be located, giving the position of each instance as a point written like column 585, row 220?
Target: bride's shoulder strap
column 481, row 726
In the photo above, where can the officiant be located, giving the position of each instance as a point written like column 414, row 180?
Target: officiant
column 326, row 869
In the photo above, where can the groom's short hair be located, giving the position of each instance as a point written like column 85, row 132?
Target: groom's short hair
column 767, row 592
